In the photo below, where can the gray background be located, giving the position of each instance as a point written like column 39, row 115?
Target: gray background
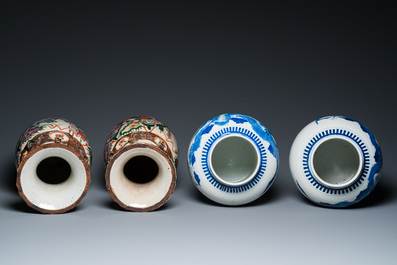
column 283, row 64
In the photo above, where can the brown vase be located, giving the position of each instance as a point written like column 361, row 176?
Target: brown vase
column 53, row 161
column 141, row 156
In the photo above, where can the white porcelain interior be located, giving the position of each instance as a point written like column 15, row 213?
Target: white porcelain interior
column 140, row 195
column 336, row 161
column 53, row 196
column 234, row 160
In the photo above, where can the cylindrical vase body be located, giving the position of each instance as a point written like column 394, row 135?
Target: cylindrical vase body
column 141, row 156
column 53, row 161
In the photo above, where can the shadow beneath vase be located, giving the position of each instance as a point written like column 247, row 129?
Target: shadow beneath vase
column 98, row 177
column 110, row 204
column 270, row 196
column 381, row 195
column 9, row 177
column 21, row 206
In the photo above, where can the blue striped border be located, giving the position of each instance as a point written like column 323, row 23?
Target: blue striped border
column 313, row 180
column 262, row 167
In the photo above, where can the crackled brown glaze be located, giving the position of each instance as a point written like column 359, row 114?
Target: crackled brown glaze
column 141, row 132
column 45, row 135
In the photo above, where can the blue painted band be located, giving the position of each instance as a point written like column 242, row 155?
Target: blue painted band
column 227, row 131
column 320, row 186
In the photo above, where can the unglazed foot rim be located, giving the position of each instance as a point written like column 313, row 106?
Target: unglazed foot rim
column 119, row 185
column 75, row 186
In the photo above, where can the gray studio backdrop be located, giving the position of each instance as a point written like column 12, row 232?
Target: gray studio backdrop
column 184, row 63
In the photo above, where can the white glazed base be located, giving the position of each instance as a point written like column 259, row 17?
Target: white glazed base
column 234, row 160
column 53, row 197
column 337, row 162
column 141, row 196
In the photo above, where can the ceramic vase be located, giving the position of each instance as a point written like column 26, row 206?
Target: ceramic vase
column 141, row 157
column 233, row 159
column 335, row 161
column 53, row 161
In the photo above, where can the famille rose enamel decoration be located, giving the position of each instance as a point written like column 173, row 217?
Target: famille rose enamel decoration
column 53, row 160
column 141, row 157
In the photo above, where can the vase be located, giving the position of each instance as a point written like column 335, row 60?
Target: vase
column 335, row 161
column 141, row 157
column 233, row 159
column 53, row 161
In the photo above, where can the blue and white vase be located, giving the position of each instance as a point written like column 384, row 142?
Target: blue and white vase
column 233, row 159
column 335, row 161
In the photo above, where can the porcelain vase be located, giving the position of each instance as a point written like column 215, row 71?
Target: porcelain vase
column 53, row 161
column 233, row 159
column 141, row 157
column 335, row 161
